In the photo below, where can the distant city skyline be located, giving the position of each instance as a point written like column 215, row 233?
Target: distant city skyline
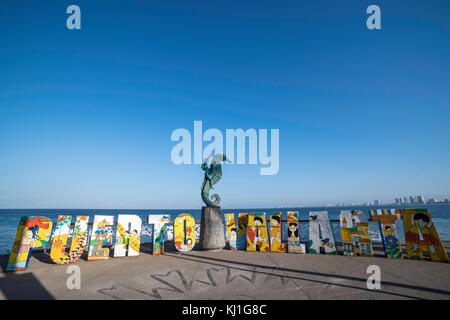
column 420, row 199
column 386, row 203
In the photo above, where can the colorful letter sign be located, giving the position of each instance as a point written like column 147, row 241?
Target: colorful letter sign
column 419, row 219
column 184, row 232
column 32, row 232
column 294, row 245
column 355, row 237
column 159, row 225
column 257, row 239
column 128, row 235
column 391, row 242
column 251, row 235
column 101, row 234
column 231, row 233
column 60, row 235
column 275, row 232
column 321, row 238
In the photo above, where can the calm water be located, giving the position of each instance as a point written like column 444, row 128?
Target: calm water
column 9, row 219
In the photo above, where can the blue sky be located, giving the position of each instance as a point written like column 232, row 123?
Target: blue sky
column 86, row 115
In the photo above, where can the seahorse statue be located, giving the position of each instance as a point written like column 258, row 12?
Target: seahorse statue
column 212, row 176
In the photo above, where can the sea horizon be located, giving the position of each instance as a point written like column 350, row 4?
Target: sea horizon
column 404, row 206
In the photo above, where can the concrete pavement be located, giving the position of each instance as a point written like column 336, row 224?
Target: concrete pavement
column 230, row 275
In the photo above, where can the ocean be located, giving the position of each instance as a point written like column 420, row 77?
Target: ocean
column 9, row 219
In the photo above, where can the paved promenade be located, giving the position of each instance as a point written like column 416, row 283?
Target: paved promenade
column 231, row 275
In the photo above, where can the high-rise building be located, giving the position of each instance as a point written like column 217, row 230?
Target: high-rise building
column 398, row 201
column 376, row 202
column 420, row 199
column 412, row 199
column 432, row 201
column 405, row 200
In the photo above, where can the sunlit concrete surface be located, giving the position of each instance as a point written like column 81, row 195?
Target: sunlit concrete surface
column 229, row 275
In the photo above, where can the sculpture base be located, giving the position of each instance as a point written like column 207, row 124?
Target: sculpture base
column 212, row 231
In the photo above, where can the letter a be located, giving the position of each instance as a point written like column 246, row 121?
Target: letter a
column 74, row 20
column 374, row 21
column 74, row 280
column 374, row 280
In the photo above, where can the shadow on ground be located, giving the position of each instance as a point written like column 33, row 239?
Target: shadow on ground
column 21, row 285
column 268, row 270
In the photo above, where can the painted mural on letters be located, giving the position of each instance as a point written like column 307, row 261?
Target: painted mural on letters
column 101, row 235
column 294, row 245
column 128, row 235
column 257, row 238
column 389, row 234
column 184, row 232
column 231, row 232
column 32, row 232
column 416, row 220
column 61, row 234
column 276, row 244
column 321, row 238
column 159, row 226
column 251, row 234
column 241, row 241
column 355, row 237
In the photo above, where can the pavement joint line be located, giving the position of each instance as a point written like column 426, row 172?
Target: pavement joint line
column 290, row 279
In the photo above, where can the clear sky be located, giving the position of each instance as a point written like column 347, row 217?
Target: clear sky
column 86, row 115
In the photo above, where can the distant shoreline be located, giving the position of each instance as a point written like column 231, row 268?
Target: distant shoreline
column 247, row 208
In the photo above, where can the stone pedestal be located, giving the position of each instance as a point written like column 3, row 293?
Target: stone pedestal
column 212, row 231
